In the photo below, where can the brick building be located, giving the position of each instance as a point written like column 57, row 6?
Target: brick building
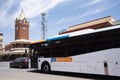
column 21, row 27
column 94, row 24
column 1, row 40
column 1, row 44
column 20, row 46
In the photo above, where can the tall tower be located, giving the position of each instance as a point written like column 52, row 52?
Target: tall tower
column 1, row 40
column 21, row 27
column 44, row 27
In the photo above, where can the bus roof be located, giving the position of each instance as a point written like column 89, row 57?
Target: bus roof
column 89, row 31
column 37, row 41
column 57, row 37
column 77, row 33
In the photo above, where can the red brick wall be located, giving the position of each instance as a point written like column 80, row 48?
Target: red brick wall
column 21, row 30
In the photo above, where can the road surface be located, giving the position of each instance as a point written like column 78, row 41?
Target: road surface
column 7, row 73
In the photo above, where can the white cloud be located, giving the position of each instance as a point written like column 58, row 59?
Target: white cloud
column 4, row 17
column 93, row 2
column 99, row 9
column 31, row 9
column 34, row 8
column 91, row 11
column 61, row 21
column 87, row 13
column 95, row 9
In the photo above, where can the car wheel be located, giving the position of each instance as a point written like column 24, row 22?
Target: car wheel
column 10, row 65
column 20, row 66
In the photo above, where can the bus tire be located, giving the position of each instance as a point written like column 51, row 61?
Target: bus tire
column 46, row 67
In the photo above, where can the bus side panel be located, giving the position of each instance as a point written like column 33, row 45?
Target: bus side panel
column 105, row 62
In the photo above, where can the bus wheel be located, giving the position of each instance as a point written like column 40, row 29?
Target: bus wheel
column 45, row 68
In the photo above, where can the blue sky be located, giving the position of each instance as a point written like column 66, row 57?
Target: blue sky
column 60, row 14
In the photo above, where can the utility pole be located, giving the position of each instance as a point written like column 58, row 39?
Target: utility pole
column 44, row 26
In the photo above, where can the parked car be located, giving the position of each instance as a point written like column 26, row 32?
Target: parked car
column 21, row 62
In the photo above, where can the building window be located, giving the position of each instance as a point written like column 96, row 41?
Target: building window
column 24, row 21
column 24, row 28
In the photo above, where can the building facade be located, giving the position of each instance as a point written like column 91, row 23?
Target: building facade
column 1, row 45
column 94, row 24
column 21, row 27
column 20, row 46
column 1, row 40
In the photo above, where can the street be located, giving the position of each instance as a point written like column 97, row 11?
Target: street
column 7, row 73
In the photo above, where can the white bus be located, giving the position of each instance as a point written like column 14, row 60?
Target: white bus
column 88, row 51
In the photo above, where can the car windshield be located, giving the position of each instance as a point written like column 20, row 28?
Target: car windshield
column 21, row 59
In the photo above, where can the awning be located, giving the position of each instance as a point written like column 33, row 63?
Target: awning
column 18, row 52
column 13, row 52
column 5, row 53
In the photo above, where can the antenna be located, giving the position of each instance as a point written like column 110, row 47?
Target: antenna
column 43, row 28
